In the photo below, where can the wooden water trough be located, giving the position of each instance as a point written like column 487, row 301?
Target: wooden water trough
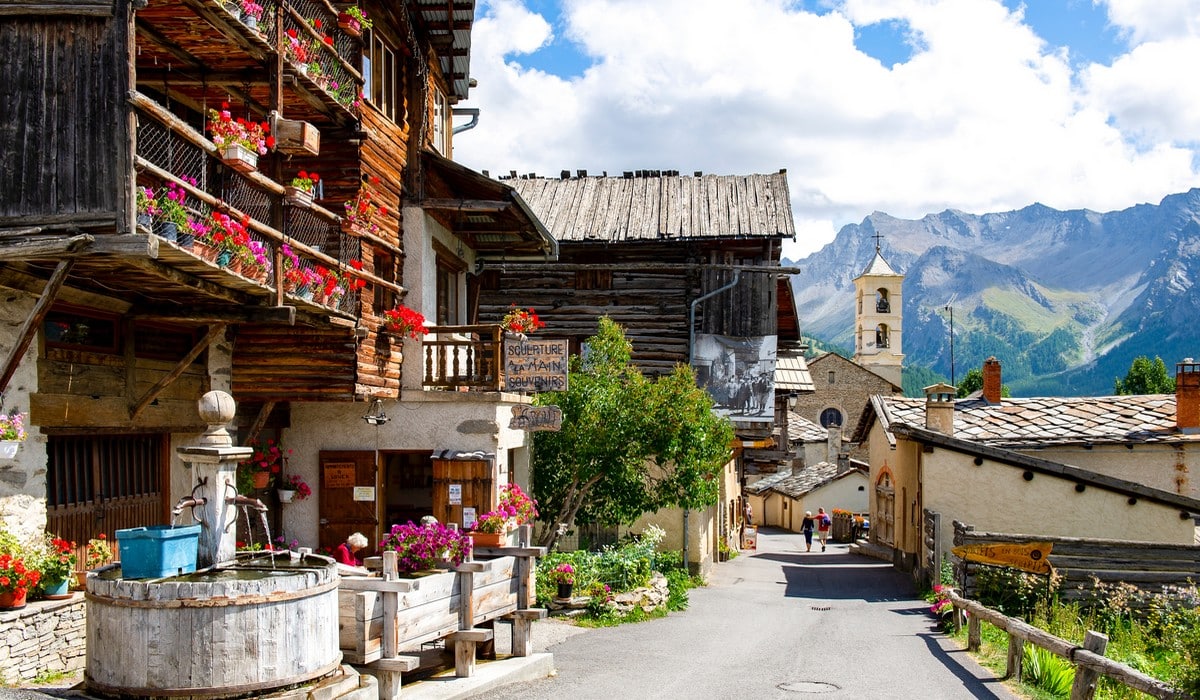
column 384, row 621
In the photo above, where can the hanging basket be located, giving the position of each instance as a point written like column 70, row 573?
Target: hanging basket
column 286, row 495
column 262, row 479
column 9, row 448
column 239, row 158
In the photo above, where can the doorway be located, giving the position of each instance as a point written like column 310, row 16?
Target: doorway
column 407, row 487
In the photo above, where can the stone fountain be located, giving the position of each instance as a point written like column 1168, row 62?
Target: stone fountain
column 237, row 626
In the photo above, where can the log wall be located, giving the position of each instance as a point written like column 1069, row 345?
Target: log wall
column 281, row 363
column 1081, row 562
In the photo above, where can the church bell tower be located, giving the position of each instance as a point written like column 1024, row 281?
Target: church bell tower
column 878, row 318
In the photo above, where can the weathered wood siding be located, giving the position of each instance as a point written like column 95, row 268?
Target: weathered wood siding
column 652, row 304
column 64, row 135
column 280, row 363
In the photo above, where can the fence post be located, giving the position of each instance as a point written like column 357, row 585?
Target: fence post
column 1084, row 686
column 973, row 633
column 1016, row 649
column 937, row 550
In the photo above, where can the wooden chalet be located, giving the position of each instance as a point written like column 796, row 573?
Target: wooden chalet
column 120, row 315
column 674, row 259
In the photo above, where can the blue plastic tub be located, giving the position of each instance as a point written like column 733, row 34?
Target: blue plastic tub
column 158, row 551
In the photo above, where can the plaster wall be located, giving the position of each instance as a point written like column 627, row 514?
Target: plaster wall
column 462, row 421
column 702, row 534
column 996, row 498
column 901, row 462
column 1167, row 467
column 23, row 477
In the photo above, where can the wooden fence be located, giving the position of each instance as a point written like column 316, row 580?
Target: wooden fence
column 1080, row 563
column 1089, row 660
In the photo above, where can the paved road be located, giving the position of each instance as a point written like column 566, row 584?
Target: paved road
column 776, row 623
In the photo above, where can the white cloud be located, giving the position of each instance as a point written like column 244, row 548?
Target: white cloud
column 1154, row 20
column 984, row 117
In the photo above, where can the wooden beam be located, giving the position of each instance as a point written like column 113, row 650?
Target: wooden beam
column 30, row 247
column 34, row 321
column 475, row 205
column 285, row 315
column 213, row 331
column 18, row 232
column 264, row 412
column 126, row 245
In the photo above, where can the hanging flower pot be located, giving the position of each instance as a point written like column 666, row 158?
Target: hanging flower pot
column 9, row 448
column 298, row 197
column 240, row 158
column 262, row 479
column 286, row 495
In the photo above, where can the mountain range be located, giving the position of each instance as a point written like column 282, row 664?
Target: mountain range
column 1064, row 299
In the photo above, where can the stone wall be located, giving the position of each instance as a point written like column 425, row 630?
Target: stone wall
column 42, row 637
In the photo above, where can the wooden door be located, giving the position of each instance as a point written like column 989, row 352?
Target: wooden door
column 349, row 499
column 100, row 484
column 470, row 480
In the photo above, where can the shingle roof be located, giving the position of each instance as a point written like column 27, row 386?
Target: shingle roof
column 879, row 266
column 801, row 429
column 791, row 372
column 1052, row 420
column 660, row 207
column 810, row 479
column 765, row 483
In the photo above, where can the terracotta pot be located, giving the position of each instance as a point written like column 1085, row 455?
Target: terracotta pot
column 204, row 251
column 488, row 539
column 262, row 479
column 13, row 599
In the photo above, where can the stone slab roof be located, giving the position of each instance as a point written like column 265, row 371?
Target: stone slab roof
column 765, row 483
column 810, row 479
column 801, row 429
column 1050, row 420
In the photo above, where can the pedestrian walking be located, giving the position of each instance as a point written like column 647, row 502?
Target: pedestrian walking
column 824, row 522
column 806, row 526
column 749, row 514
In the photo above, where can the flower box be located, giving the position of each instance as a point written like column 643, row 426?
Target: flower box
column 296, row 137
column 8, row 448
column 158, row 551
column 239, row 158
column 349, row 25
column 298, row 197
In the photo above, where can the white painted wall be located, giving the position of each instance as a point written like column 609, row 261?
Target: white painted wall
column 22, row 478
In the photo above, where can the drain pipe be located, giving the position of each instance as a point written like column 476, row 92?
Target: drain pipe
column 472, row 112
column 737, row 275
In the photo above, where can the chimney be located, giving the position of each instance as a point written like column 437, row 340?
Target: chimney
column 1187, row 396
column 833, row 443
column 939, row 408
column 843, row 462
column 991, row 380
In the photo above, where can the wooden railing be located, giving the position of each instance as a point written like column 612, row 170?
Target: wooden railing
column 1089, row 659
column 464, row 357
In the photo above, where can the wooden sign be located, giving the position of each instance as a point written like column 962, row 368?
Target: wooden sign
column 534, row 365
column 534, row 418
column 1026, row 556
column 339, row 475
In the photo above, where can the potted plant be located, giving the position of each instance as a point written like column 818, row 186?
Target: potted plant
column 56, row 567
column 172, row 213
column 423, row 547
column 265, row 463
column 520, row 321
column 405, row 321
column 257, row 261
column 299, row 51
column 564, row 576
column 99, row 553
column 361, row 212
column 16, row 580
column 353, row 21
column 292, row 487
column 300, row 192
column 240, row 141
column 251, row 14
column 147, row 207
column 515, row 508
column 230, row 239
column 12, row 433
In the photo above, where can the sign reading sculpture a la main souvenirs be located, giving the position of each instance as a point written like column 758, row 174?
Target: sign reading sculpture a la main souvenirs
column 536, row 418
column 534, row 365
column 1027, row 556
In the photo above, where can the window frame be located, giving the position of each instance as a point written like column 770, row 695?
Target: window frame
column 383, row 84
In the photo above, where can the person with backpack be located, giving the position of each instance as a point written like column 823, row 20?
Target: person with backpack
column 824, row 522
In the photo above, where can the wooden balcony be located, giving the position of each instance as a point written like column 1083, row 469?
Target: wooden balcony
column 463, row 358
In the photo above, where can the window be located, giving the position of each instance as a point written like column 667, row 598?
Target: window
column 831, row 417
column 382, row 80
column 882, row 305
column 385, row 269
column 881, row 335
column 449, row 275
column 441, row 112
column 832, row 377
column 68, row 327
column 593, row 279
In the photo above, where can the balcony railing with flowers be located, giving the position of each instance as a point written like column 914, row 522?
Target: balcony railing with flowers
column 320, row 53
column 187, row 198
column 463, row 357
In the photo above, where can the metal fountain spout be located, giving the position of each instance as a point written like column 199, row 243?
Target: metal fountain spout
column 240, row 500
column 188, row 502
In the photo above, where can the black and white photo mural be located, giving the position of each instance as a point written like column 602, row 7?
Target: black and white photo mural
column 739, row 374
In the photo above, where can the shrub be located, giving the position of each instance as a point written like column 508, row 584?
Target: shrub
column 1044, row 669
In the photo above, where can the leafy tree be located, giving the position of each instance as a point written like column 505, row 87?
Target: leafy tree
column 628, row 444
column 1145, row 377
column 974, row 382
column 915, row 378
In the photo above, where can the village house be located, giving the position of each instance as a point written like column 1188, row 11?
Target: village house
column 145, row 260
column 690, row 267
column 1113, row 467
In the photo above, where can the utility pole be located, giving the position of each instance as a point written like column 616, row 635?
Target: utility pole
column 950, row 308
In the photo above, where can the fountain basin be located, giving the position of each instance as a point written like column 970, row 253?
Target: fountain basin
column 226, row 632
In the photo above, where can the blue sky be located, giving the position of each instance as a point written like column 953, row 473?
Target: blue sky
column 903, row 106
